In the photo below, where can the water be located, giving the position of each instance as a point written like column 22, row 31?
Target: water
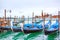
column 9, row 35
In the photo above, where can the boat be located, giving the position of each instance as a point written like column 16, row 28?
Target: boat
column 13, row 28
column 53, row 28
column 32, row 28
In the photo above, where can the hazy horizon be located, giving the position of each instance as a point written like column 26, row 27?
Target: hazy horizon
column 27, row 7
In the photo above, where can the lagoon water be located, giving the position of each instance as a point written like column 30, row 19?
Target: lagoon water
column 9, row 35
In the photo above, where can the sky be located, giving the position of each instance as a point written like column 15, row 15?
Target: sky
column 27, row 7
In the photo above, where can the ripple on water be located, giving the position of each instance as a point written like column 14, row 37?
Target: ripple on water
column 32, row 36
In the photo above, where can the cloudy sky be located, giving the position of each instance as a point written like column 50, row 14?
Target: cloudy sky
column 26, row 7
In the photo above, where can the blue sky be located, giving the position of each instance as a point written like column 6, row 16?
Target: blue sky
column 26, row 7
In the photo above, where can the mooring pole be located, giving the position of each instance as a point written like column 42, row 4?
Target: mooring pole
column 58, row 24
column 28, row 19
column 32, row 19
column 5, row 14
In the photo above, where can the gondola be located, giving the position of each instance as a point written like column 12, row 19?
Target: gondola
column 32, row 28
column 53, row 29
column 13, row 28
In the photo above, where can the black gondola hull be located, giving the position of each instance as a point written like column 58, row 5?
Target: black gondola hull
column 14, row 29
column 32, row 31
column 49, row 32
column 6, row 28
column 17, row 30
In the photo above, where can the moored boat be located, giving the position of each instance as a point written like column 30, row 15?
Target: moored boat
column 31, row 28
column 53, row 28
